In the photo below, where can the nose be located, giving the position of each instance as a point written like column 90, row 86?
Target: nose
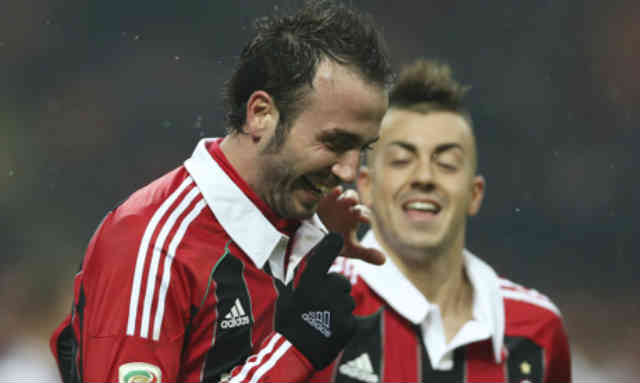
column 347, row 165
column 423, row 175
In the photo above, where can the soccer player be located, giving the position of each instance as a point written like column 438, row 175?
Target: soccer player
column 179, row 283
column 435, row 312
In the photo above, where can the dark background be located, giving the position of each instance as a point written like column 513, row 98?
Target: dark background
column 98, row 98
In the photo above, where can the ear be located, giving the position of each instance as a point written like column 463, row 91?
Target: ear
column 477, row 194
column 262, row 115
column 364, row 186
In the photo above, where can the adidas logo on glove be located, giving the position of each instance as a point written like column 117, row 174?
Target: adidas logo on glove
column 320, row 320
column 236, row 317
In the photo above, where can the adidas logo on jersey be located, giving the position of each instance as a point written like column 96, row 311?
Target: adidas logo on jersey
column 236, row 317
column 360, row 368
column 320, row 320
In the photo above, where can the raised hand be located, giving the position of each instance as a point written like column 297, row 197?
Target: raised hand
column 341, row 212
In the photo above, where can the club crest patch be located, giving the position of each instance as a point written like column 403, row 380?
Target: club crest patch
column 139, row 372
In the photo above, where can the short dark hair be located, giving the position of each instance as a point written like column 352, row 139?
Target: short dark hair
column 426, row 86
column 283, row 57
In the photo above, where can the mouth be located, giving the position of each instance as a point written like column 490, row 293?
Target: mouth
column 422, row 209
column 316, row 188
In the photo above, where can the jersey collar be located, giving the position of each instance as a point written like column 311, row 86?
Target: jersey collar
column 244, row 222
column 488, row 307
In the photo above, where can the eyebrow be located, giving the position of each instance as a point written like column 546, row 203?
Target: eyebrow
column 439, row 149
column 349, row 137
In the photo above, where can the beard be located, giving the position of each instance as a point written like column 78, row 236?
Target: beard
column 278, row 173
column 282, row 180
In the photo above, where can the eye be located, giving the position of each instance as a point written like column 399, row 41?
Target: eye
column 335, row 146
column 398, row 162
column 448, row 161
column 447, row 166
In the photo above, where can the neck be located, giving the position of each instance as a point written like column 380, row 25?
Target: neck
column 440, row 276
column 241, row 152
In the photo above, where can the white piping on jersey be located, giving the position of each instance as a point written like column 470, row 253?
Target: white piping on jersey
column 271, row 361
column 142, row 253
column 256, row 359
column 155, row 257
column 525, row 296
column 521, row 293
column 166, row 275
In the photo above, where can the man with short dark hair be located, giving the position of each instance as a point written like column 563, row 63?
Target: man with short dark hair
column 180, row 282
column 435, row 312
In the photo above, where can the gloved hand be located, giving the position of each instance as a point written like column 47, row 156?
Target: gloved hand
column 316, row 316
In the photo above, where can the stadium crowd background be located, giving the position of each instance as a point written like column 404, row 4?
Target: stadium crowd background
column 99, row 98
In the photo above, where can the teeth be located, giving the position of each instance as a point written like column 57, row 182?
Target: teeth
column 422, row 206
column 323, row 189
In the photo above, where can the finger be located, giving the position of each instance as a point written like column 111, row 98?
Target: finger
column 334, row 193
column 339, row 283
column 351, row 195
column 363, row 213
column 369, row 255
column 321, row 258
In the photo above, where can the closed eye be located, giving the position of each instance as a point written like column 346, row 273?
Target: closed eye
column 447, row 166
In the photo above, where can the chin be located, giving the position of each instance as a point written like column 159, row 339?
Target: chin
column 418, row 242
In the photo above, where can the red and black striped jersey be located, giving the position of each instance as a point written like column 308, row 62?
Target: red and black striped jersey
column 177, row 283
column 516, row 334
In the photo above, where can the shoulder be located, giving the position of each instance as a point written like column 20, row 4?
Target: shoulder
column 347, row 268
column 154, row 221
column 529, row 313
column 513, row 293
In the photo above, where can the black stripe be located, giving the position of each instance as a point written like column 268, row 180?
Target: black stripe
column 188, row 330
column 68, row 346
column 232, row 335
column 80, row 313
column 456, row 374
column 367, row 340
column 525, row 360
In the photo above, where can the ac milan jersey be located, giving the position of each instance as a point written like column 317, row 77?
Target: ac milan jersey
column 177, row 283
column 516, row 334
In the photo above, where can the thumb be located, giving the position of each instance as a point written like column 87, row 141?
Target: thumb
column 321, row 259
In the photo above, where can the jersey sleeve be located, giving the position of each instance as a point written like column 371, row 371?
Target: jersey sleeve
column 277, row 360
column 557, row 356
column 130, row 309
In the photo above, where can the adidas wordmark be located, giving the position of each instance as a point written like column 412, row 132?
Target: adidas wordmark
column 236, row 317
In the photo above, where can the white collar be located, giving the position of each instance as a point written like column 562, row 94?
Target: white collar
column 488, row 307
column 244, row 222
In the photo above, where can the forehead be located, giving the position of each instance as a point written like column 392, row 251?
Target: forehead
column 344, row 100
column 425, row 131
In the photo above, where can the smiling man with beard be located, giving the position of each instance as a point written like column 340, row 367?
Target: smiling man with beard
column 218, row 269
column 435, row 312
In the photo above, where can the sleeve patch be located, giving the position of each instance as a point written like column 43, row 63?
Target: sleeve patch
column 139, row 372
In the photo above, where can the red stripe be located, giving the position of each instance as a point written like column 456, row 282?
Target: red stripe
column 481, row 364
column 401, row 356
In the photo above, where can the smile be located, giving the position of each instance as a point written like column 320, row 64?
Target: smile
column 421, row 210
column 422, row 206
column 316, row 188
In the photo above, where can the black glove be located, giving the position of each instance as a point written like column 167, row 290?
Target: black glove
column 317, row 316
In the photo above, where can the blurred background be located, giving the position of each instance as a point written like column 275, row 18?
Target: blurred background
column 99, row 98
